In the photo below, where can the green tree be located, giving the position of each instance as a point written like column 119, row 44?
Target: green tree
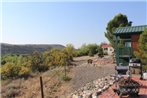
column 69, row 50
column 37, row 62
column 142, row 48
column 92, row 49
column 119, row 20
column 100, row 52
column 84, row 50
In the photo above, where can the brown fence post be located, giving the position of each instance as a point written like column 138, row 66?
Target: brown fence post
column 41, row 85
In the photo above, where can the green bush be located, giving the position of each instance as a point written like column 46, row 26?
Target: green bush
column 145, row 67
column 90, row 53
column 65, row 78
column 89, row 49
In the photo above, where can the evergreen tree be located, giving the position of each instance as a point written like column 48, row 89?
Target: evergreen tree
column 119, row 20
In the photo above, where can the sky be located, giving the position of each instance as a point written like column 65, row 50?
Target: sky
column 64, row 22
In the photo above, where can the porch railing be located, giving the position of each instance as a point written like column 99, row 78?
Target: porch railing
column 126, row 51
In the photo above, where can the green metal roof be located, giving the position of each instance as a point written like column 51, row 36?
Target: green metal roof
column 130, row 29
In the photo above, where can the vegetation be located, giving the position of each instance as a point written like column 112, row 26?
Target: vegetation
column 69, row 51
column 100, row 52
column 15, row 66
column 89, row 49
column 119, row 20
column 120, row 44
column 142, row 49
column 65, row 78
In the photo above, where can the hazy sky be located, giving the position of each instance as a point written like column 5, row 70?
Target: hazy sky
column 64, row 22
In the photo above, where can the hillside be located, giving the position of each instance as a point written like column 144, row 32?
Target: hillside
column 27, row 49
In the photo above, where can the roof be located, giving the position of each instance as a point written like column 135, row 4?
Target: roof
column 106, row 46
column 130, row 29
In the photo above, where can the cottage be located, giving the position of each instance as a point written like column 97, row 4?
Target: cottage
column 129, row 36
column 107, row 49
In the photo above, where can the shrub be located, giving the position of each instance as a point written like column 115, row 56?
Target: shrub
column 24, row 71
column 9, row 70
column 65, row 78
column 90, row 53
column 145, row 67
column 11, row 91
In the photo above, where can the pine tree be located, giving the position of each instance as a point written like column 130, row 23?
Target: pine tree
column 119, row 20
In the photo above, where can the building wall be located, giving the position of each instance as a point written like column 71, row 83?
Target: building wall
column 110, row 51
column 135, row 39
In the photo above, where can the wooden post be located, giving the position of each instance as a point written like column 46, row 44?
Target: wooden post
column 65, row 70
column 41, row 85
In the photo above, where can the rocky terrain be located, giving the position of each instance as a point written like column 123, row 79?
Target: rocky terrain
column 94, row 88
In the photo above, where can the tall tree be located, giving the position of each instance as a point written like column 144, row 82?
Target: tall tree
column 142, row 48
column 119, row 20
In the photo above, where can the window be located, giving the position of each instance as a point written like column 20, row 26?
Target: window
column 127, row 44
column 105, row 48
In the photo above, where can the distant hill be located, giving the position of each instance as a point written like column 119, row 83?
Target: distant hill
column 27, row 49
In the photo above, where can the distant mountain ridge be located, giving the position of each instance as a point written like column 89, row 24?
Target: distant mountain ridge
column 27, row 48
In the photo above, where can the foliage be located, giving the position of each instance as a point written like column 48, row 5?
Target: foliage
column 119, row 20
column 93, row 49
column 100, row 52
column 69, row 51
column 15, row 66
column 55, row 57
column 142, row 48
column 24, row 71
column 36, row 61
column 9, row 70
column 120, row 44
column 65, row 78
column 89, row 49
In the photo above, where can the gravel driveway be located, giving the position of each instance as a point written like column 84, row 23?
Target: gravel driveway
column 85, row 73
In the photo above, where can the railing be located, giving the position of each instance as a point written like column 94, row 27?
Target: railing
column 126, row 51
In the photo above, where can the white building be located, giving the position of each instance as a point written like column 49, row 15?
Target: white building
column 107, row 49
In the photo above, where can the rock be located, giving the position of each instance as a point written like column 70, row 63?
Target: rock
column 94, row 88
column 95, row 95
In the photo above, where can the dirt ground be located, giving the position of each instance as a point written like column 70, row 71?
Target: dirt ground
column 80, row 73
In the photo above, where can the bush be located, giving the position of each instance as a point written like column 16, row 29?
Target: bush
column 11, row 91
column 42, row 68
column 24, row 71
column 90, row 53
column 65, row 78
column 145, row 67
column 9, row 70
